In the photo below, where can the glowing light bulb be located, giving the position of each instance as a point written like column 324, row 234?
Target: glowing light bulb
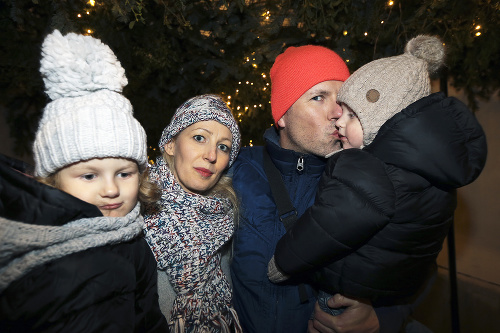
column 345, row 32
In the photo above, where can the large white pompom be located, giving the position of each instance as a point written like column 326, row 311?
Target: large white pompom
column 428, row 48
column 76, row 65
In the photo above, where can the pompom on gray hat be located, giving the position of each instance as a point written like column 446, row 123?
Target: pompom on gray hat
column 88, row 116
column 383, row 87
column 202, row 108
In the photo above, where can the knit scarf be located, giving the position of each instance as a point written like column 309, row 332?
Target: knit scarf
column 185, row 235
column 25, row 246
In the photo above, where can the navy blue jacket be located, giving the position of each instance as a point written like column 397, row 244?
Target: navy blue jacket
column 382, row 213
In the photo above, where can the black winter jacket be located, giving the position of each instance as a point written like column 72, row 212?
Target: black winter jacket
column 381, row 214
column 110, row 288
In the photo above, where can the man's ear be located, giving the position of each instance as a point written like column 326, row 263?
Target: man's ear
column 169, row 148
column 281, row 122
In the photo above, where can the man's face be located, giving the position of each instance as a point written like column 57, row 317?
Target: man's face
column 309, row 125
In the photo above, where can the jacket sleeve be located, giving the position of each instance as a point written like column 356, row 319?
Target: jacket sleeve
column 150, row 317
column 355, row 199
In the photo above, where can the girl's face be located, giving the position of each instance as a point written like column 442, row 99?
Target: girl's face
column 112, row 184
column 200, row 155
column 349, row 127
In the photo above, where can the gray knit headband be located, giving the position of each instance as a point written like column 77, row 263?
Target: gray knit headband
column 203, row 108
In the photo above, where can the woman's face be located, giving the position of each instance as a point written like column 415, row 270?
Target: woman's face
column 200, row 154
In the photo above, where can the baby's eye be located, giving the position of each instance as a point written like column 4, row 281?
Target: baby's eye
column 199, row 138
column 224, row 148
column 88, row 176
column 352, row 115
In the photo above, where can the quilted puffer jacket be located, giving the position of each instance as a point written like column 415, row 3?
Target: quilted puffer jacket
column 382, row 213
column 108, row 288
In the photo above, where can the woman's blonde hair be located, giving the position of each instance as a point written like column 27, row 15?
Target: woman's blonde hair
column 149, row 192
column 223, row 188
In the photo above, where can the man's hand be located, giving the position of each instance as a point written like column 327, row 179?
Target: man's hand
column 359, row 317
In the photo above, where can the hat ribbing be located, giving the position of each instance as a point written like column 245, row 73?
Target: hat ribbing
column 382, row 88
column 88, row 116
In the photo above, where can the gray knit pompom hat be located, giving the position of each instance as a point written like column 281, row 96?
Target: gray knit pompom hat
column 202, row 108
column 88, row 116
column 382, row 88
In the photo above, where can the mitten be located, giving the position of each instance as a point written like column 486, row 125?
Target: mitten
column 274, row 274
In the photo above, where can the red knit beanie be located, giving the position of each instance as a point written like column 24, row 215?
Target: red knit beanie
column 297, row 70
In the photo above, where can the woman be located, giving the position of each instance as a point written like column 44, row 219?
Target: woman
column 195, row 216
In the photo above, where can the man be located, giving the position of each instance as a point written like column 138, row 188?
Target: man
column 305, row 81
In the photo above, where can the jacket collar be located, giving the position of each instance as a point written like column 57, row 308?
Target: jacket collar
column 24, row 199
column 286, row 160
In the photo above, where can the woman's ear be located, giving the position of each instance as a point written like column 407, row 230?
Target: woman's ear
column 170, row 148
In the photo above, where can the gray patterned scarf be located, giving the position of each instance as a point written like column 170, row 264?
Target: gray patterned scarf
column 186, row 236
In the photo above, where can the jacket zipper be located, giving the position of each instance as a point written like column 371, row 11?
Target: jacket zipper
column 300, row 164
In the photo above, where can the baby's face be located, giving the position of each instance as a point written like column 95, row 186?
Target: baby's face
column 112, row 184
column 349, row 128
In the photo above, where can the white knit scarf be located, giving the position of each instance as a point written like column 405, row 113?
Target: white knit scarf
column 24, row 246
column 186, row 236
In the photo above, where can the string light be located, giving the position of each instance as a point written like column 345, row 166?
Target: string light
column 345, row 32
column 92, row 3
column 391, row 3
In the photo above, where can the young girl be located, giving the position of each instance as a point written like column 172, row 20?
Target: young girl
column 382, row 211
column 74, row 260
column 196, row 216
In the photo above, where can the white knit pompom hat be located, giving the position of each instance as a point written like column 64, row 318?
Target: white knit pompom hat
column 88, row 116
column 383, row 87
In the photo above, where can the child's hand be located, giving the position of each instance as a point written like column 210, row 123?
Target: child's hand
column 274, row 274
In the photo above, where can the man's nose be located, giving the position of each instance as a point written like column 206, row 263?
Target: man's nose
column 335, row 112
